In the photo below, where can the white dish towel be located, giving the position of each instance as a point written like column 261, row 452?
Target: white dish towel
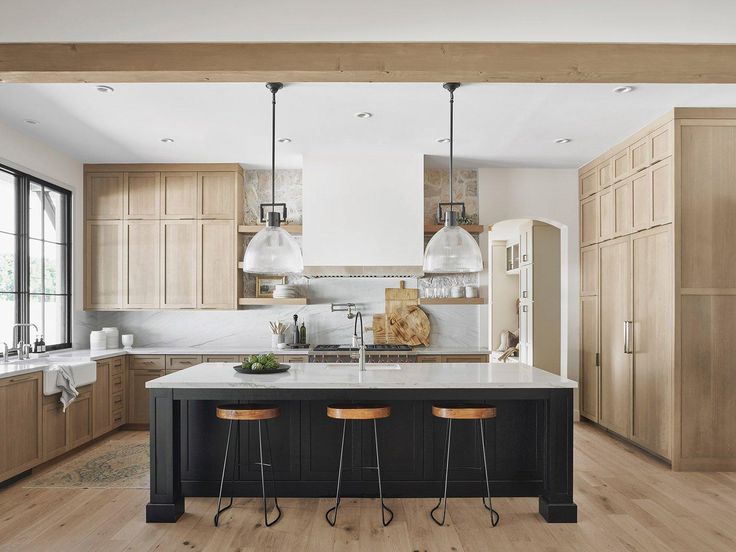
column 65, row 381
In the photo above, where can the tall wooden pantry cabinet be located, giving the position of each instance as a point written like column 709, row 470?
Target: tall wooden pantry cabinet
column 658, row 289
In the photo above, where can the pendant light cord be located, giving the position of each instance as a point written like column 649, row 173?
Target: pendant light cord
column 452, row 141
column 273, row 149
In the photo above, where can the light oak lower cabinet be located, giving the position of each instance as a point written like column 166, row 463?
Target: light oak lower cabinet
column 141, row 370
column 102, row 419
column 615, row 311
column 64, row 431
column 175, row 363
column 429, row 358
column 79, row 416
column 20, row 424
column 589, row 365
column 452, row 358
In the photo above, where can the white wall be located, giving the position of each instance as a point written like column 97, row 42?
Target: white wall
column 26, row 154
column 363, row 210
column 549, row 195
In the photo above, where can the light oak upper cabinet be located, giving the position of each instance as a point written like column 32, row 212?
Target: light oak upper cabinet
column 641, row 197
column 589, row 213
column 103, row 273
column 141, row 281
column 103, row 196
column 663, row 192
column 589, row 270
column 620, row 165
column 605, row 214
column 639, row 155
column 605, row 175
column 653, row 339
column 216, row 264
column 142, row 195
column 20, row 424
column 217, row 194
column 615, row 314
column 589, row 183
column 623, row 204
column 179, row 195
column 661, row 143
column 178, row 264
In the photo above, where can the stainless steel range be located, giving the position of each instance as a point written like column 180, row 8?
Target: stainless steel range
column 374, row 353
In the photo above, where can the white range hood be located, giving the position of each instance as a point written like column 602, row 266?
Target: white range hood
column 363, row 215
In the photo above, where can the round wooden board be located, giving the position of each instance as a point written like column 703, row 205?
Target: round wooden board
column 410, row 325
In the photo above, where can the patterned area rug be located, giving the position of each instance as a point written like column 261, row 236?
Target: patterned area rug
column 113, row 464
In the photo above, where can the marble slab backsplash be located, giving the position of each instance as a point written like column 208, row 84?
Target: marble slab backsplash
column 452, row 325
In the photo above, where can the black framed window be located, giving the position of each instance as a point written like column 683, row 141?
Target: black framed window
column 35, row 259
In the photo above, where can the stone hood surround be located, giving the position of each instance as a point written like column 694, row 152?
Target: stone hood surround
column 219, row 375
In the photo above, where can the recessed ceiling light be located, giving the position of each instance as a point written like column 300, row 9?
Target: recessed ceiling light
column 563, row 140
column 363, row 115
column 443, row 140
column 284, row 140
column 105, row 89
column 30, row 121
column 167, row 140
column 623, row 89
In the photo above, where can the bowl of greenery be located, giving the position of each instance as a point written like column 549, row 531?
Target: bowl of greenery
column 261, row 364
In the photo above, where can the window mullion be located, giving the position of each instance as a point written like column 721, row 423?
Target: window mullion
column 23, row 250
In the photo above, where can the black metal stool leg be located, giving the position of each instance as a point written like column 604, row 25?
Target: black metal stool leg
column 222, row 480
column 489, row 506
column 447, row 472
column 263, row 480
column 384, row 508
column 339, row 481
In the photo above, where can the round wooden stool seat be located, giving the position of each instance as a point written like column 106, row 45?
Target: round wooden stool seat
column 248, row 411
column 464, row 411
column 358, row 411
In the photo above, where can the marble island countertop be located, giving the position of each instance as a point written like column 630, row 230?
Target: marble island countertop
column 219, row 375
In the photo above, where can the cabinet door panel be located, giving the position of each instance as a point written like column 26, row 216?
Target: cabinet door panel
column 661, row 141
column 79, row 419
column 639, row 155
column 217, row 266
column 623, row 202
column 615, row 309
column 141, row 279
column 103, row 257
column 178, row 195
column 320, row 438
column 605, row 214
column 641, row 191
column 589, row 270
column 526, row 244
column 526, row 290
column 101, row 399
column 178, row 264
column 138, row 394
column 55, row 432
column 464, row 358
column 620, row 165
column 179, row 362
column 590, row 384
column 589, row 221
column 142, row 195
column 663, row 190
column 653, row 315
column 20, row 424
column 217, row 195
column 605, row 175
column 526, row 328
column 103, row 196
column 589, row 183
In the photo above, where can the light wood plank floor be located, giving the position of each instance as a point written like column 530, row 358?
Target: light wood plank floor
column 627, row 501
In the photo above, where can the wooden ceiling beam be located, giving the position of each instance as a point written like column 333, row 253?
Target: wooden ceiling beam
column 369, row 62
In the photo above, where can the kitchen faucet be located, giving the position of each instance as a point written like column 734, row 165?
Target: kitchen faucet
column 361, row 347
column 5, row 352
column 21, row 347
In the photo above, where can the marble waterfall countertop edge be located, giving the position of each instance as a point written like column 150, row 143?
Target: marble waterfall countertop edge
column 221, row 375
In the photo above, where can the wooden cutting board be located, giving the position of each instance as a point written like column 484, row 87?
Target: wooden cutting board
column 381, row 330
column 396, row 298
column 410, row 325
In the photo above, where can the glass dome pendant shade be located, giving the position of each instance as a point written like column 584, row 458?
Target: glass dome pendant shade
column 452, row 249
column 273, row 251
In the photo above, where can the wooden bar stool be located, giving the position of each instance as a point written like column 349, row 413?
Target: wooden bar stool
column 478, row 412
column 249, row 413
column 352, row 412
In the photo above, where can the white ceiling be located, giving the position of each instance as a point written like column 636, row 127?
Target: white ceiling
column 495, row 124
column 368, row 20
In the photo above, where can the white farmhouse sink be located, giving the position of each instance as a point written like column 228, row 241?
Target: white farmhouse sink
column 368, row 367
column 84, row 373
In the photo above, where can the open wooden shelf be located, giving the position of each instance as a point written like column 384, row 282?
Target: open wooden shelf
column 266, row 301
column 452, row 301
column 254, row 228
column 470, row 228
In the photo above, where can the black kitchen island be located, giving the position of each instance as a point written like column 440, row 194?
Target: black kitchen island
column 529, row 443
